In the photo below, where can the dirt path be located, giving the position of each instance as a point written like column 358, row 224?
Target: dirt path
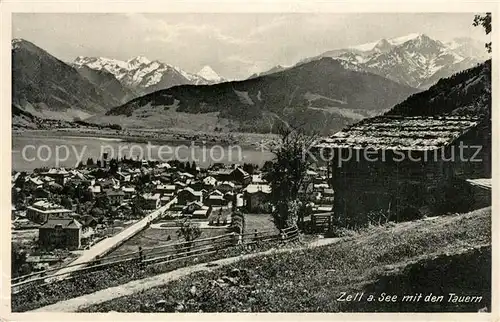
column 77, row 303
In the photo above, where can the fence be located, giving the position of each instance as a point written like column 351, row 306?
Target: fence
column 322, row 222
column 158, row 255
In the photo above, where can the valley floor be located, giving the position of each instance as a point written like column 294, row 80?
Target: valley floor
column 154, row 136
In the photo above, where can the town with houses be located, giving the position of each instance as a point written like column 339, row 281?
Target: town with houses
column 69, row 210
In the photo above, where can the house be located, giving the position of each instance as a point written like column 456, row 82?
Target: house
column 209, row 182
column 164, row 166
column 202, row 213
column 222, row 174
column 94, row 190
column 60, row 233
column 180, row 185
column 320, row 187
column 110, row 183
column 196, row 185
column 88, row 221
column 226, row 186
column 216, row 198
column 185, row 175
column 152, row 201
column 59, row 175
column 166, row 188
column 328, row 193
column 33, row 183
column 240, row 176
column 123, row 176
column 41, row 193
column 396, row 166
column 164, row 199
column 128, row 191
column 191, row 207
column 47, row 180
column 258, row 179
column 41, row 210
column 255, row 197
column 187, row 195
column 115, row 196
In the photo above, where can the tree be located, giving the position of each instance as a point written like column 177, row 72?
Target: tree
column 19, row 265
column 90, row 161
column 113, row 166
column 189, row 232
column 485, row 22
column 193, row 168
column 249, row 167
column 286, row 175
column 66, row 202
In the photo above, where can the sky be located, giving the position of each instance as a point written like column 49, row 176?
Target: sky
column 235, row 45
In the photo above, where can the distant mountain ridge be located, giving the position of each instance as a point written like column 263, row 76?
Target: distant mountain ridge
column 143, row 76
column 415, row 60
column 46, row 87
column 465, row 93
column 322, row 94
column 210, row 75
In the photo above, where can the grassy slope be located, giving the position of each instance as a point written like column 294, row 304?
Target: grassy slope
column 375, row 260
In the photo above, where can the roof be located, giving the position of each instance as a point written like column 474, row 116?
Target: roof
column 149, row 196
column 227, row 183
column 202, row 211
column 216, row 192
column 95, row 189
column 400, row 133
column 257, row 178
column 115, row 193
column 192, row 191
column 46, row 205
column 224, row 171
column 68, row 223
column 253, row 188
column 243, row 172
column 328, row 191
column 36, row 181
column 164, row 165
column 484, row 183
column 209, row 180
column 196, row 203
column 166, row 187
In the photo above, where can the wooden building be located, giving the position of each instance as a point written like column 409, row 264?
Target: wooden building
column 61, row 233
column 397, row 168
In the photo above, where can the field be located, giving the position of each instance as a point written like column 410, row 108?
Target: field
column 450, row 254
column 154, row 237
column 259, row 222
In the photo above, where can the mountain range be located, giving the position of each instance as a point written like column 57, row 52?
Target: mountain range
column 321, row 94
column 324, row 92
column 415, row 60
column 45, row 86
column 142, row 76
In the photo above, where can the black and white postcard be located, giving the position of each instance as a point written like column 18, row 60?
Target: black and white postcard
column 248, row 159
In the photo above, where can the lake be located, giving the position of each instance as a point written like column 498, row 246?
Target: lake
column 31, row 152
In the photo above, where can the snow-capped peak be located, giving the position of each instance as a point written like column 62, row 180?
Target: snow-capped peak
column 137, row 61
column 401, row 40
column 414, row 59
column 386, row 44
column 209, row 74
